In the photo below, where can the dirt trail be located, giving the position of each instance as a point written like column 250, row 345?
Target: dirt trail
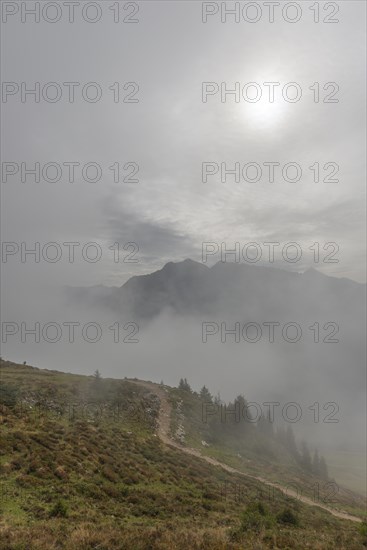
column 164, row 422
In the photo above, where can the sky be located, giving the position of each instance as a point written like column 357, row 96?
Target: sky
column 170, row 132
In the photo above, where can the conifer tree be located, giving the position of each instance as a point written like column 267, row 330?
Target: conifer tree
column 97, row 375
column 184, row 385
column 306, row 457
column 265, row 425
column 323, row 469
column 205, row 395
column 316, row 463
column 281, row 435
column 291, row 441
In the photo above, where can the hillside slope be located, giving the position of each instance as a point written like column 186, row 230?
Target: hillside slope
column 83, row 467
column 164, row 430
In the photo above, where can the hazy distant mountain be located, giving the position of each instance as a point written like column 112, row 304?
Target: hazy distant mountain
column 227, row 289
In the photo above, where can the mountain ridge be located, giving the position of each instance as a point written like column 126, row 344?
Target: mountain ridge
column 192, row 288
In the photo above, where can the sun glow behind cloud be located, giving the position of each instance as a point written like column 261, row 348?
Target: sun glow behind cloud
column 262, row 105
column 262, row 114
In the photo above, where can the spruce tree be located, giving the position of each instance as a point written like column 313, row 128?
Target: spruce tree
column 316, row 463
column 205, row 395
column 323, row 469
column 184, row 385
column 97, row 375
column 281, row 435
column 306, row 457
column 291, row 441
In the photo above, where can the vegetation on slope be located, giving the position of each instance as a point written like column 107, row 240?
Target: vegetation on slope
column 82, row 467
column 227, row 432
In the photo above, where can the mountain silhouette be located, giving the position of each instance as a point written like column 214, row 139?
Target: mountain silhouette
column 226, row 289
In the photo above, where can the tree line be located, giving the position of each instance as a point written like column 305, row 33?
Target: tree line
column 228, row 424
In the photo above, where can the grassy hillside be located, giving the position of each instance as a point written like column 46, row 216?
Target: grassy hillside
column 82, row 468
column 254, row 452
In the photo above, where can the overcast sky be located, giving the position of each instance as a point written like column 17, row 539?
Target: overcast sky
column 170, row 132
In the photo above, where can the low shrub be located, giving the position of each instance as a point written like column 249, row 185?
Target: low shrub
column 255, row 518
column 59, row 510
column 288, row 517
